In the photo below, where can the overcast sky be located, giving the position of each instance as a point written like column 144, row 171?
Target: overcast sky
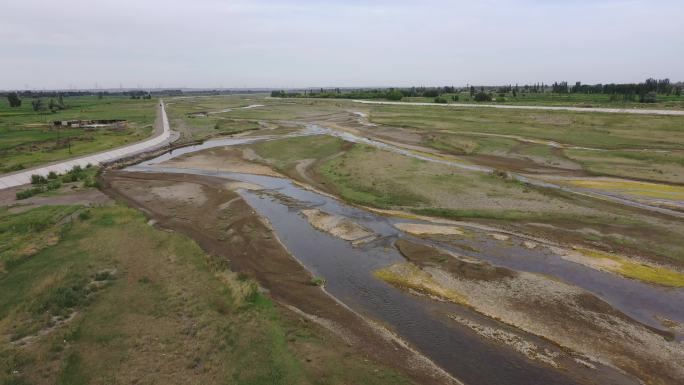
column 306, row 43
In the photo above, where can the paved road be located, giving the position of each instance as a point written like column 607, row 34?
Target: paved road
column 636, row 111
column 162, row 136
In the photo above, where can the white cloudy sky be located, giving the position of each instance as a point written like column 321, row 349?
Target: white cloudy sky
column 301, row 43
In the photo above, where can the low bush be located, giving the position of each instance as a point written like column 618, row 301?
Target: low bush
column 24, row 194
column 91, row 182
column 38, row 179
column 54, row 184
column 84, row 215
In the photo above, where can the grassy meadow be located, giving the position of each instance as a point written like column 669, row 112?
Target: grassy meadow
column 109, row 299
column 632, row 146
column 200, row 118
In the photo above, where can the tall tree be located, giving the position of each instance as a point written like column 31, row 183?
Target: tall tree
column 37, row 104
column 13, row 99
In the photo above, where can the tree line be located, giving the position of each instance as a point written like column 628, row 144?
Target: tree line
column 645, row 92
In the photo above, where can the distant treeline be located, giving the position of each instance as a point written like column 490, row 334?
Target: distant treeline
column 56, row 94
column 645, row 92
column 56, row 98
column 659, row 86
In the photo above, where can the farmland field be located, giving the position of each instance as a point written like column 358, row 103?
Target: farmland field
column 27, row 137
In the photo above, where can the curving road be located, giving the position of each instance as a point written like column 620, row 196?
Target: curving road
column 163, row 135
column 636, row 111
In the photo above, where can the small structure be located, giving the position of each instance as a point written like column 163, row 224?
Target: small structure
column 90, row 124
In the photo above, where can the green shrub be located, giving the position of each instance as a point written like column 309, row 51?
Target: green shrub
column 54, row 184
column 483, row 97
column 24, row 194
column 440, row 100
column 84, row 215
column 38, row 179
column 317, row 281
column 68, row 178
column 52, row 175
column 91, row 182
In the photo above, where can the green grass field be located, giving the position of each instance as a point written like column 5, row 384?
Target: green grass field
column 572, row 100
column 27, row 138
column 200, row 118
column 643, row 147
column 114, row 300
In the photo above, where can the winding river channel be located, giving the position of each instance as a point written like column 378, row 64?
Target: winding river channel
column 421, row 321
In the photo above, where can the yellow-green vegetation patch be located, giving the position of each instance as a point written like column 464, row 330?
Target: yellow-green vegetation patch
column 411, row 277
column 635, row 188
column 631, row 269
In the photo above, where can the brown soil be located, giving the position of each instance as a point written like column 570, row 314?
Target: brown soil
column 220, row 159
column 520, row 165
column 237, row 234
column 423, row 255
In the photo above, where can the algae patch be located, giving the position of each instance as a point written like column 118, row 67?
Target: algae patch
column 627, row 268
column 635, row 188
column 411, row 277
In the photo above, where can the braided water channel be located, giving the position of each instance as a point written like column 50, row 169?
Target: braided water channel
column 421, row 321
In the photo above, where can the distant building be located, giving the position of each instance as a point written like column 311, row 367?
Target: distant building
column 90, row 124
